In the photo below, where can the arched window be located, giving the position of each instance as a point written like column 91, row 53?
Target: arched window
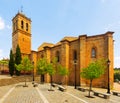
column 93, row 53
column 58, row 56
column 22, row 24
column 74, row 55
column 26, row 26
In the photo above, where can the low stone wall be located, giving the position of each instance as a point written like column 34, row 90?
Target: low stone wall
column 17, row 79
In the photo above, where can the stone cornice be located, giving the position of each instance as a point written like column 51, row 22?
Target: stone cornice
column 24, row 32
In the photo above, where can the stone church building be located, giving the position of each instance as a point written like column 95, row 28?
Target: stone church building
column 74, row 53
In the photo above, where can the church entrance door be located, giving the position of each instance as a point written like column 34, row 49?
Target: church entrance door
column 42, row 78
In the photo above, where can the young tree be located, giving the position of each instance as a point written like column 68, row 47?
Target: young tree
column 41, row 67
column 18, row 59
column 3, row 63
column 93, row 71
column 63, row 71
column 11, row 64
column 25, row 65
column 51, row 71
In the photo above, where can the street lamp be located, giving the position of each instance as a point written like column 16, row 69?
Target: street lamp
column 33, row 72
column 108, row 88
column 75, row 63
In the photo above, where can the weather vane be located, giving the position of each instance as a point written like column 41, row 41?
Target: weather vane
column 21, row 9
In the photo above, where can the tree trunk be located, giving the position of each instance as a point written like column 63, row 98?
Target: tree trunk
column 25, row 79
column 51, row 82
column 64, row 81
column 90, row 88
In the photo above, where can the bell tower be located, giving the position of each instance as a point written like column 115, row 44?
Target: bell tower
column 21, row 33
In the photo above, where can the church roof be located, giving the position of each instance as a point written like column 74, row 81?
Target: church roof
column 22, row 15
column 68, row 38
column 58, row 43
column 41, row 47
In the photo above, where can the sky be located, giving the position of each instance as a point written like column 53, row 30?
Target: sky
column 54, row 19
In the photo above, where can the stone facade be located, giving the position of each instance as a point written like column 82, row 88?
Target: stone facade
column 82, row 50
column 21, row 34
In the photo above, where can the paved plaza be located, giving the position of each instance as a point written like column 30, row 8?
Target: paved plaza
column 18, row 94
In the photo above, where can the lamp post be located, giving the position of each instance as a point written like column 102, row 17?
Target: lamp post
column 75, row 63
column 108, row 88
column 33, row 72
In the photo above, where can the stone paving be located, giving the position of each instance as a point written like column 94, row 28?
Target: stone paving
column 4, row 90
column 23, row 95
column 74, row 96
column 40, row 94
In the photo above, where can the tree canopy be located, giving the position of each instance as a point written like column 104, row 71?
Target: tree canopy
column 94, row 70
column 3, row 62
column 18, row 58
column 25, row 65
column 11, row 64
column 41, row 66
column 50, row 69
column 63, row 71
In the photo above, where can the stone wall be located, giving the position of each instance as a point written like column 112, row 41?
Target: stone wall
column 17, row 79
column 103, row 45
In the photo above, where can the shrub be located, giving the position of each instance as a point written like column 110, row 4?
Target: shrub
column 117, row 76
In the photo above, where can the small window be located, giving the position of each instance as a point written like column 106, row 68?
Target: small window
column 58, row 56
column 22, row 24
column 75, row 55
column 93, row 53
column 26, row 26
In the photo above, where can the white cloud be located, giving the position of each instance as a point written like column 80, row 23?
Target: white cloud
column 2, row 23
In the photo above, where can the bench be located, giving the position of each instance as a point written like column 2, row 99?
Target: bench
column 82, row 89
column 35, row 84
column 105, row 95
column 115, row 93
column 61, row 88
column 54, row 85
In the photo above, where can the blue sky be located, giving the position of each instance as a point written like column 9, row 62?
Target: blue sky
column 54, row 19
